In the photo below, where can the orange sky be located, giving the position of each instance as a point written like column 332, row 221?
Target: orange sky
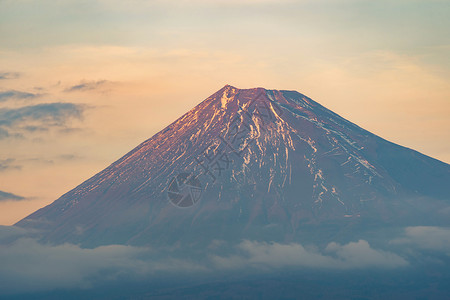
column 82, row 83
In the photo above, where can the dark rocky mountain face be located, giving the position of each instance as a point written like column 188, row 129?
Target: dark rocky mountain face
column 251, row 163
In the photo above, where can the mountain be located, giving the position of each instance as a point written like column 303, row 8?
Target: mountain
column 250, row 163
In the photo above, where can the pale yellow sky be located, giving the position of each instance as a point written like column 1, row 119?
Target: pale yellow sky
column 84, row 82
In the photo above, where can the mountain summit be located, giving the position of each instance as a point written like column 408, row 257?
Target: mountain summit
column 250, row 163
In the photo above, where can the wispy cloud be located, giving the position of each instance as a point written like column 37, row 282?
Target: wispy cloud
column 88, row 86
column 4, row 196
column 38, row 117
column 69, row 157
column 3, row 133
column 9, row 75
column 50, row 160
column 8, row 164
column 39, row 160
column 17, row 95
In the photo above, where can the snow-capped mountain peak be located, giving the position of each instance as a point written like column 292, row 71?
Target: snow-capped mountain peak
column 248, row 163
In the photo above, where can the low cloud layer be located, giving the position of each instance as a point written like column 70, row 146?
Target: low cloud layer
column 426, row 237
column 29, row 266
column 353, row 255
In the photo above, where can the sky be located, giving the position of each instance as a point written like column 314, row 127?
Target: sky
column 84, row 82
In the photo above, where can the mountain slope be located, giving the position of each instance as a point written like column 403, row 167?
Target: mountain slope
column 249, row 163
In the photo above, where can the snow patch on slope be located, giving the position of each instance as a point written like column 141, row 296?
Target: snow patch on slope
column 227, row 96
